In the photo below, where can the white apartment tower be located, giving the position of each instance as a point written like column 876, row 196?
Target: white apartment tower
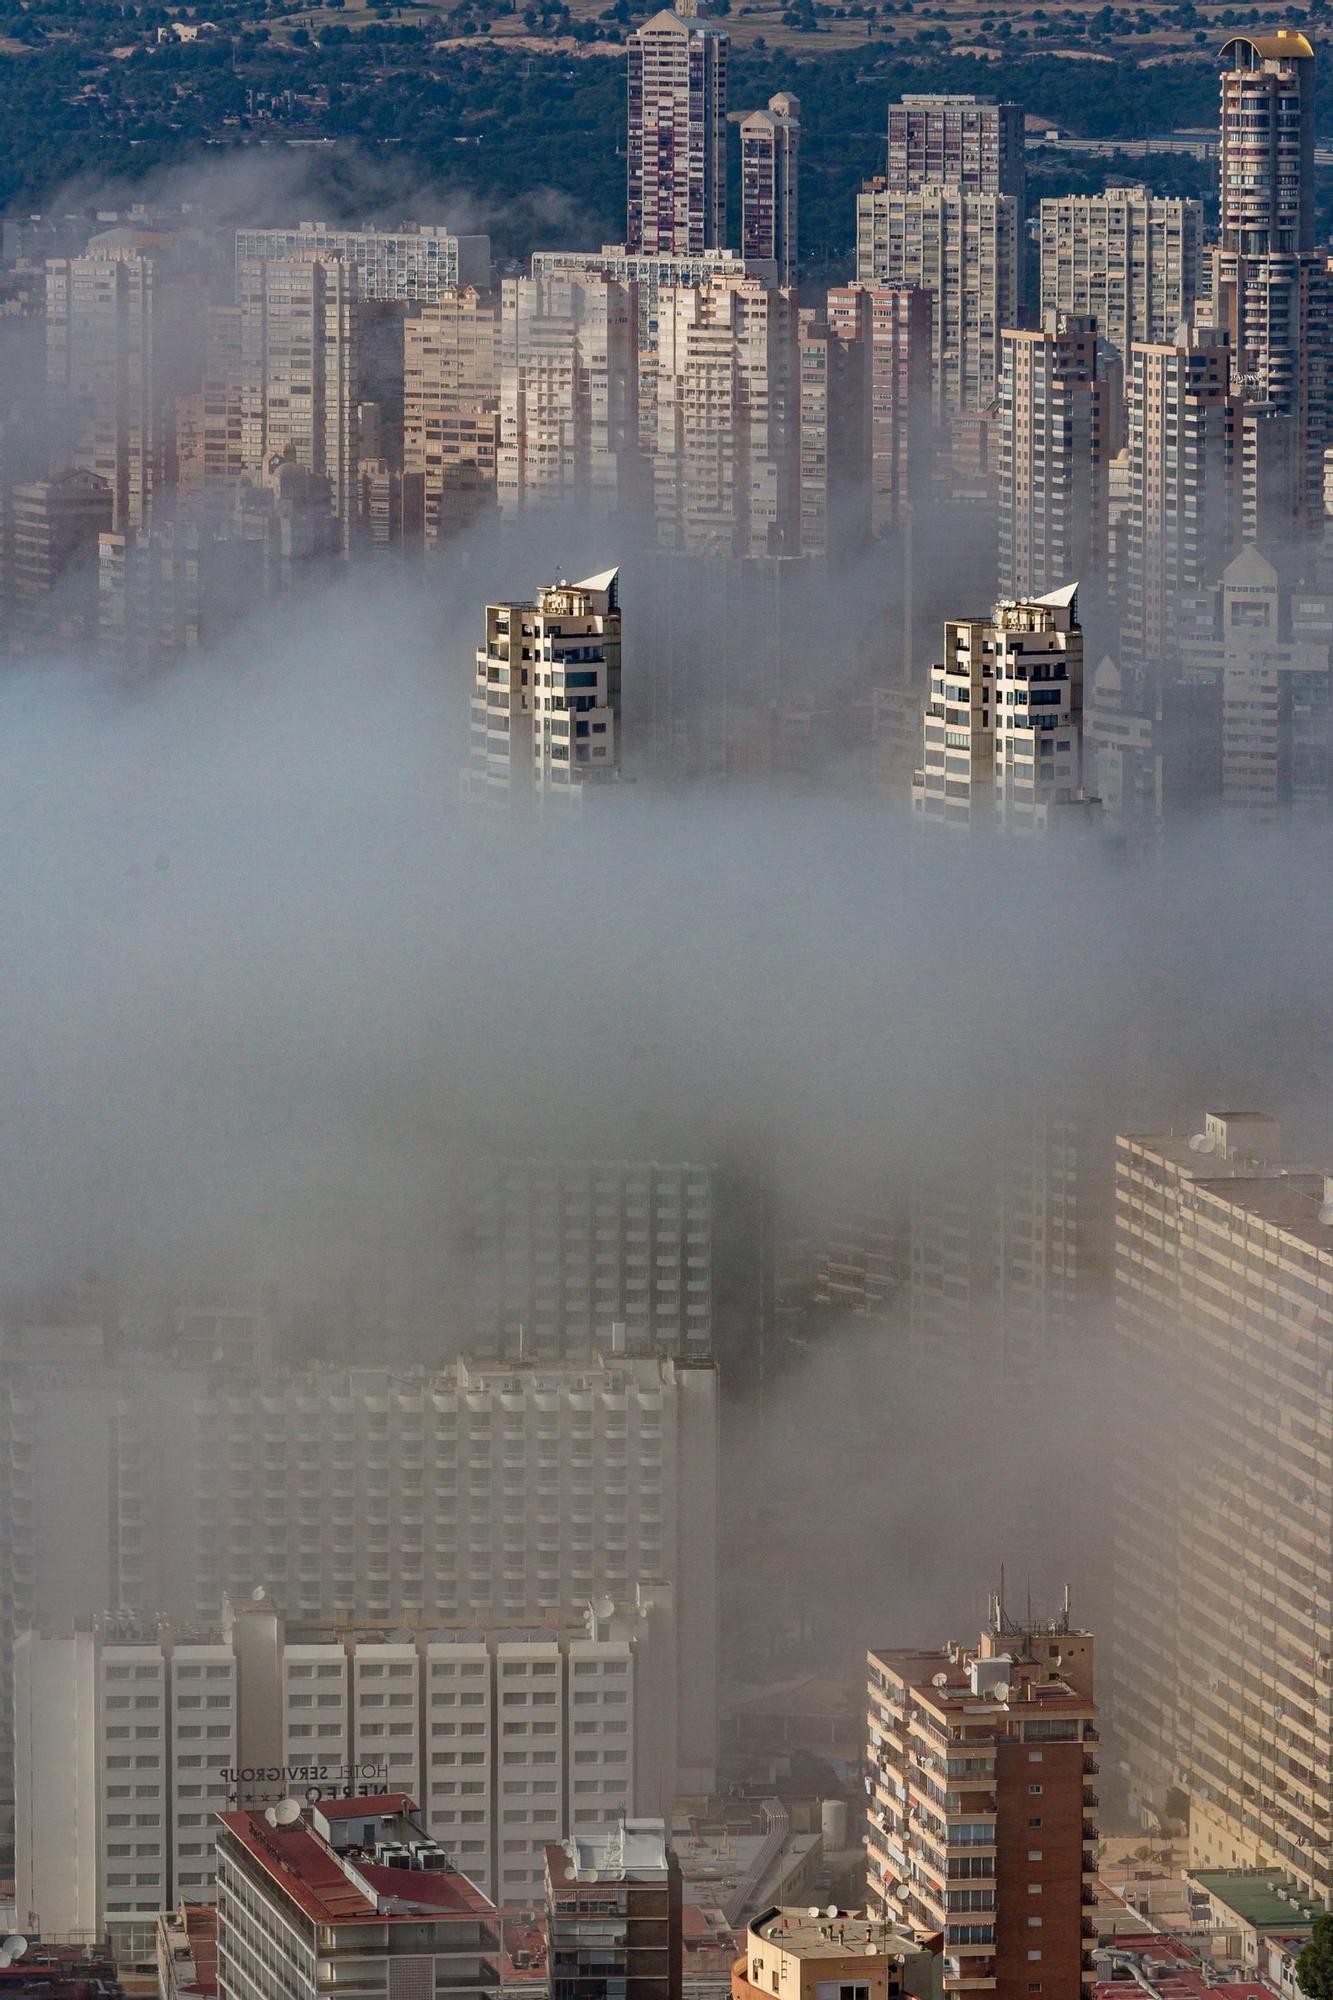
column 451, row 401
column 1127, row 257
column 132, row 1737
column 677, row 194
column 964, row 249
column 1002, row 728
column 107, row 363
column 770, row 168
column 726, row 462
column 1055, row 422
column 546, row 697
column 568, row 392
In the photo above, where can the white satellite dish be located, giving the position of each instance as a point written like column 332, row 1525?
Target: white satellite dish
column 257, row 1594
column 872, row 1950
column 604, row 1606
column 270, row 1816
column 14, row 1949
column 1203, row 1142
column 813, row 1910
column 287, row 1812
column 832, row 1910
column 939, row 1680
column 1001, row 1690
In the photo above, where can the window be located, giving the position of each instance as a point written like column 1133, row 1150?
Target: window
column 1033, row 1956
column 1034, row 1822
column 1034, row 1756
column 1034, row 1888
column 1034, row 1923
column 1034, row 1854
column 1034, row 1789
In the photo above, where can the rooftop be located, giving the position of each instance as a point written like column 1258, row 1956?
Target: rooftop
column 633, row 1850
column 1262, row 1897
column 831, row 1933
column 354, row 1885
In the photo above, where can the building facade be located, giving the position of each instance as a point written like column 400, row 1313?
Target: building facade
column 677, row 193
column 964, row 249
column 130, row 1739
column 770, row 185
column 895, row 322
column 613, row 1914
column 1223, row 1655
column 359, row 1901
column 546, row 698
column 451, row 408
column 416, row 262
column 982, row 1766
column 810, row 1953
column 1127, row 258
column 1055, row 434
column 972, row 144
column 1001, row 736
column 569, row 421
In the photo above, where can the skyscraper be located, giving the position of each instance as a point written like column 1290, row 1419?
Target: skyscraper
column 972, row 144
column 1055, row 431
column 417, row 261
column 896, row 322
column 981, row 1766
column 1002, row 728
column 964, row 249
column 109, row 370
column 1127, row 256
column 725, row 467
column 546, row 700
column 451, row 402
column 770, row 165
column 569, row 372
column 1184, row 487
column 1223, row 1648
column 1271, row 288
column 677, row 134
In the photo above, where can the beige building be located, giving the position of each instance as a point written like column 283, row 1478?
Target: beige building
column 1055, row 437
column 1001, row 736
column 417, row 261
column 677, row 180
column 1182, row 514
column 451, row 404
column 770, row 175
column 981, row 1767
column 726, row 464
column 1223, row 1650
column 895, row 323
column 817, row 1954
column 108, row 370
column 1127, row 257
column 569, row 424
column 961, row 141
column 964, row 249
column 546, row 698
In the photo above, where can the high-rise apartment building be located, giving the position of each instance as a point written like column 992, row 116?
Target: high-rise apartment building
column 546, row 698
column 654, row 275
column 1183, row 511
column 1055, row 428
column 54, row 528
column 1271, row 288
column 725, row 465
column 491, row 1492
column 131, row 1736
column 770, row 171
column 895, row 322
column 613, row 1914
column 451, row 404
column 834, row 434
column 1001, row 737
column 982, row 1767
column 1268, row 664
column 358, row 1898
column 284, row 375
column 972, row 144
column 1223, row 1652
column 677, row 197
column 962, row 247
column 1127, row 257
column 569, row 422
column 571, row 1257
column 417, row 261
column 109, row 370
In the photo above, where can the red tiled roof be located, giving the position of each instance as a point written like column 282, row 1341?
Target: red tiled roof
column 377, row 1807
column 435, row 1888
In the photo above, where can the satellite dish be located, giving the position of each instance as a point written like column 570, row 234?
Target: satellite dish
column 257, row 1594
column 872, row 1950
column 287, row 1812
column 593, row 1875
column 832, row 1910
column 1203, row 1142
column 1001, row 1690
column 939, row 1680
column 15, row 1948
column 604, row 1606
column 1326, row 1212
column 270, row 1816
column 813, row 1910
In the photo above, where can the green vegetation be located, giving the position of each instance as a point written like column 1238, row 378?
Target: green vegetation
column 1314, row 1967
